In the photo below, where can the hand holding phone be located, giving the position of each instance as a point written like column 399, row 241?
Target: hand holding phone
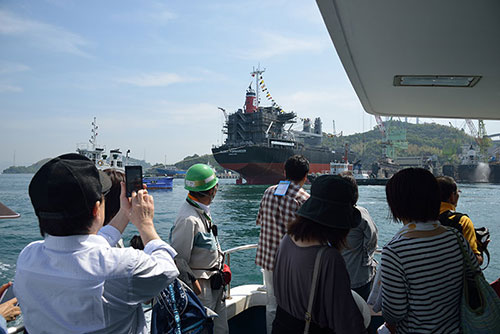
column 133, row 178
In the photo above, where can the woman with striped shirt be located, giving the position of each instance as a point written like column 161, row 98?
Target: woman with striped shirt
column 422, row 266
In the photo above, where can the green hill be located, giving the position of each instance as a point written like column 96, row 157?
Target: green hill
column 36, row 166
column 25, row 170
column 423, row 140
column 197, row 159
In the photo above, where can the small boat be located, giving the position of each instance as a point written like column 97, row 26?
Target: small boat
column 7, row 213
column 158, row 182
column 98, row 155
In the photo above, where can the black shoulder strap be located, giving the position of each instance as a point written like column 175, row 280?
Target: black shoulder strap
column 452, row 219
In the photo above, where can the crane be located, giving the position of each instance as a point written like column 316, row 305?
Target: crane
column 393, row 138
column 479, row 134
column 380, row 125
column 474, row 132
column 224, row 112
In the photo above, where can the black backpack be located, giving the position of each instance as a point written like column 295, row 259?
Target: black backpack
column 482, row 233
column 177, row 310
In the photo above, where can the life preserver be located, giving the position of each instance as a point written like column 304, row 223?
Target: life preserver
column 100, row 163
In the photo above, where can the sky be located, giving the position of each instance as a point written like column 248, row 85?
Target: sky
column 154, row 73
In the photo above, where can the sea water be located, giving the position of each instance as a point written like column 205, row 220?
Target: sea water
column 234, row 211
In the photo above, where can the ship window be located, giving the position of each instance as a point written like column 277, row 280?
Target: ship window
column 436, row 80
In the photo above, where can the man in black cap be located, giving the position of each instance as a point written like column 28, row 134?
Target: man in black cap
column 75, row 281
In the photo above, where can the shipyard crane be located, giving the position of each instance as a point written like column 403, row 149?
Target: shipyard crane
column 380, row 125
column 479, row 134
column 473, row 131
column 393, row 138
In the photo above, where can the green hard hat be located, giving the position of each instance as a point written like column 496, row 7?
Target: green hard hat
column 200, row 177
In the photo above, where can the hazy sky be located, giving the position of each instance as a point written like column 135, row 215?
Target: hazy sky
column 154, row 73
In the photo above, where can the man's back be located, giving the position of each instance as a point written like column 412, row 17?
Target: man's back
column 361, row 246
column 467, row 227
column 274, row 213
column 79, row 284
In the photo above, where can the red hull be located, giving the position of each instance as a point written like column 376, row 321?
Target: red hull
column 268, row 173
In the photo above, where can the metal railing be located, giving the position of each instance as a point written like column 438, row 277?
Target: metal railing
column 228, row 260
column 20, row 329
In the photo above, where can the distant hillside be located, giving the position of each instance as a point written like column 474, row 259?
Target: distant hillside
column 25, row 170
column 423, row 140
column 196, row 159
column 36, row 166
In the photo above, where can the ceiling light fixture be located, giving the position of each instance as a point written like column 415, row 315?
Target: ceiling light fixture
column 436, row 80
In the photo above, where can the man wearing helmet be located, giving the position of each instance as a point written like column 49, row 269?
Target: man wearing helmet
column 194, row 237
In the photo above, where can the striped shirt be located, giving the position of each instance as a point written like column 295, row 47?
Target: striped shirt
column 275, row 213
column 422, row 281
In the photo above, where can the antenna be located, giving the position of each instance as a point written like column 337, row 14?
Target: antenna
column 256, row 73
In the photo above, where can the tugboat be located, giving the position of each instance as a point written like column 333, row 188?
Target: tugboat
column 258, row 144
column 97, row 154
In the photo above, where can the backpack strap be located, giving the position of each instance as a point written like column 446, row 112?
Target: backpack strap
column 487, row 252
column 444, row 219
column 177, row 316
column 308, row 316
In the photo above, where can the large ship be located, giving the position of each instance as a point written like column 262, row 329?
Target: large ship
column 471, row 169
column 260, row 139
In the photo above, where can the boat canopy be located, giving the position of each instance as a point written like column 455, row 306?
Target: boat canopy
column 420, row 58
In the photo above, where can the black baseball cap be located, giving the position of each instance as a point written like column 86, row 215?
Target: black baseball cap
column 67, row 187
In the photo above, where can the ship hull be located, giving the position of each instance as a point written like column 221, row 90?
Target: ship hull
column 495, row 173
column 265, row 165
column 478, row 173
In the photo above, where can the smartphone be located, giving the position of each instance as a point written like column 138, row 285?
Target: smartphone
column 7, row 295
column 133, row 179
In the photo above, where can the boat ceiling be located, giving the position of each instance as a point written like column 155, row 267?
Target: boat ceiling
column 379, row 40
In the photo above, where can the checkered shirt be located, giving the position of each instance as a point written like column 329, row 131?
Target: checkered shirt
column 275, row 213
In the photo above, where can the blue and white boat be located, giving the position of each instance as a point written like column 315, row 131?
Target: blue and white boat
column 159, row 182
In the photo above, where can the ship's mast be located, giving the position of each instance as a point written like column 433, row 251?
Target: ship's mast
column 256, row 73
column 93, row 138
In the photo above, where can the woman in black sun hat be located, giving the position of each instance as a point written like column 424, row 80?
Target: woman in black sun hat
column 321, row 227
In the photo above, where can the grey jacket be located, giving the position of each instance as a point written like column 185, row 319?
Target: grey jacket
column 194, row 242
column 361, row 245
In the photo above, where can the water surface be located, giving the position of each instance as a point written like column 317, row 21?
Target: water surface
column 234, row 210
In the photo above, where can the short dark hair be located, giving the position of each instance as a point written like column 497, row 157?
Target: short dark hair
column 347, row 175
column 113, row 196
column 305, row 229
column 413, row 195
column 78, row 225
column 447, row 186
column 296, row 167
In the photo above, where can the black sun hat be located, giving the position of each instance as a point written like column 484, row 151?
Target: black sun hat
column 67, row 187
column 331, row 203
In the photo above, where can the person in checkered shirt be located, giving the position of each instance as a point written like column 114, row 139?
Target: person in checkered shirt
column 277, row 209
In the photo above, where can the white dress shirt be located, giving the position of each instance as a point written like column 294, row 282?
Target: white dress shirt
column 81, row 284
